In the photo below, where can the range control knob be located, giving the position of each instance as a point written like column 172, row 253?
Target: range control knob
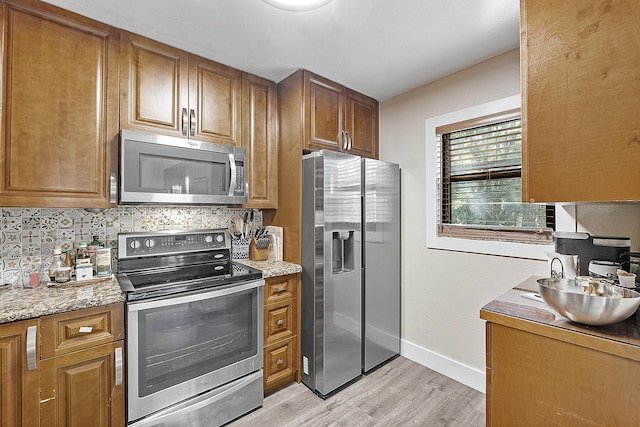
column 219, row 238
column 149, row 243
column 134, row 244
column 208, row 238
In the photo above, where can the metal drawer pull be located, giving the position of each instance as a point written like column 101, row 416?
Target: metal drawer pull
column 280, row 322
column 31, row 348
column 118, row 356
column 85, row 329
column 281, row 289
column 280, row 362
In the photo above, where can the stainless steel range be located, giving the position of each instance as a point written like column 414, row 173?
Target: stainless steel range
column 194, row 329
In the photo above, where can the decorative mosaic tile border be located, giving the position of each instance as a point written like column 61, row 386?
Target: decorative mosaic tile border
column 28, row 235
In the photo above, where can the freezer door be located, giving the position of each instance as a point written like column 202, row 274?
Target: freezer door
column 381, row 266
column 332, row 263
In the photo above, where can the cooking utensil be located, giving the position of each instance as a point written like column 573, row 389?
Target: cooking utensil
column 610, row 304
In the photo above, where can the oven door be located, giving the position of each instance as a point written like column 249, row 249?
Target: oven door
column 185, row 345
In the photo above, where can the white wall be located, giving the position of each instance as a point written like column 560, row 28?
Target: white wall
column 443, row 291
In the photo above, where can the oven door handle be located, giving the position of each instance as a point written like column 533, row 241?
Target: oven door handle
column 176, row 300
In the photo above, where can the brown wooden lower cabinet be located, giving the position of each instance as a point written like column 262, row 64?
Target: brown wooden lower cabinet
column 281, row 332
column 19, row 387
column 536, row 380
column 73, row 377
column 78, row 389
column 82, row 367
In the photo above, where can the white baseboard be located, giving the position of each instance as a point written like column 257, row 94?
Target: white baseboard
column 452, row 369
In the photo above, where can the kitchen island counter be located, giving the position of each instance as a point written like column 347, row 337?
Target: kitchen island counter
column 17, row 303
column 272, row 268
column 512, row 309
column 543, row 369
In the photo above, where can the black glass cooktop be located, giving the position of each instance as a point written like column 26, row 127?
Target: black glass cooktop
column 162, row 282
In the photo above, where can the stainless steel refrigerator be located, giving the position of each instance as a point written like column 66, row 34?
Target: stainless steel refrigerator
column 350, row 268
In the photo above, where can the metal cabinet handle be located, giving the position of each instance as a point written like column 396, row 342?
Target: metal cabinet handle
column 279, row 361
column 344, row 140
column 192, row 121
column 31, row 348
column 281, row 289
column 118, row 357
column 185, row 121
column 280, row 322
column 349, row 141
column 113, row 187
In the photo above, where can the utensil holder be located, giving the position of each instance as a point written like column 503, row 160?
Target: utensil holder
column 240, row 248
column 259, row 249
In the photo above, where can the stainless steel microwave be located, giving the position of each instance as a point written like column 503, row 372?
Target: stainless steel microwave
column 169, row 170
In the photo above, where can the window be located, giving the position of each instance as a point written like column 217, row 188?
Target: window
column 480, row 184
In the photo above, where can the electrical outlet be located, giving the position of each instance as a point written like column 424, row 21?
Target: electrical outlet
column 305, row 365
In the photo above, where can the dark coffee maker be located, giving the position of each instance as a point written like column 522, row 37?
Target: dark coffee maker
column 594, row 250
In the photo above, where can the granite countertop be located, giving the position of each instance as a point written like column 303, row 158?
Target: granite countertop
column 272, row 268
column 513, row 305
column 18, row 304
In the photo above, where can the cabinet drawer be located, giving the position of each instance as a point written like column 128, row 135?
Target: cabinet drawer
column 280, row 364
column 280, row 288
column 75, row 330
column 280, row 321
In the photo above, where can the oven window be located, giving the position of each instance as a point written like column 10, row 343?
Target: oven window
column 182, row 342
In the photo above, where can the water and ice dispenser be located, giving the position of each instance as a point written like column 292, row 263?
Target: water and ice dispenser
column 342, row 251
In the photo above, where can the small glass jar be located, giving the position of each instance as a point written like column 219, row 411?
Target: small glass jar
column 30, row 278
column 63, row 274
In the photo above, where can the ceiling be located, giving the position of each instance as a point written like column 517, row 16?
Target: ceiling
column 381, row 48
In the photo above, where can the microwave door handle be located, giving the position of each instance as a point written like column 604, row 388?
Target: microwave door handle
column 185, row 121
column 232, row 171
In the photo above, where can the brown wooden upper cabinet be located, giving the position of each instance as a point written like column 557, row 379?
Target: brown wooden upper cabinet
column 59, row 123
column 166, row 90
column 259, row 137
column 581, row 106
column 339, row 118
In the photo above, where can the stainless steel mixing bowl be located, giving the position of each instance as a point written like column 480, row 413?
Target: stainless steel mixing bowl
column 612, row 303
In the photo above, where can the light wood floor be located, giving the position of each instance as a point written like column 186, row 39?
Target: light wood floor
column 400, row 393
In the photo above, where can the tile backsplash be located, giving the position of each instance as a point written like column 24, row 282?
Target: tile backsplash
column 28, row 235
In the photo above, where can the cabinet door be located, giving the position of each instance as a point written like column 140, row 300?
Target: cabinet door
column 84, row 388
column 581, row 79
column 215, row 102
column 362, row 125
column 324, row 113
column 259, row 138
column 19, row 389
column 154, row 87
column 58, row 142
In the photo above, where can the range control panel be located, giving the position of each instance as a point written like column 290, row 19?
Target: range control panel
column 171, row 242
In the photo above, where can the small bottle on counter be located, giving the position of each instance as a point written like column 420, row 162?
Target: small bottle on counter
column 56, row 262
column 92, row 248
column 103, row 262
column 69, row 262
column 82, row 254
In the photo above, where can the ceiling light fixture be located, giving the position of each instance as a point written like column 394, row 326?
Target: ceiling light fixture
column 297, row 5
